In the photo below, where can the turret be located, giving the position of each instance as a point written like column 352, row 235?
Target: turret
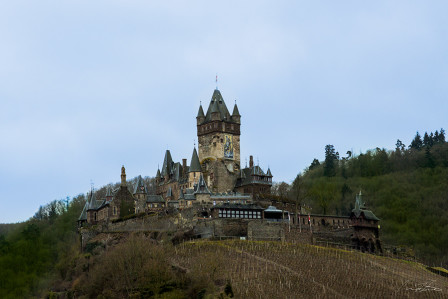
column 158, row 177
column 140, row 191
column 195, row 169
column 201, row 116
column 236, row 117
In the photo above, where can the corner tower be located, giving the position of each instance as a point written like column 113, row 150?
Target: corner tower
column 219, row 144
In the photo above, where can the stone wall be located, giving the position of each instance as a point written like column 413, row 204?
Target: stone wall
column 230, row 227
column 264, row 230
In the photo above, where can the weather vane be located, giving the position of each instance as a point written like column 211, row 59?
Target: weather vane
column 216, row 81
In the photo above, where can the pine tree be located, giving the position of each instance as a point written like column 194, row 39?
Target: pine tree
column 442, row 136
column 436, row 137
column 330, row 161
column 426, row 139
column 417, row 143
column 314, row 164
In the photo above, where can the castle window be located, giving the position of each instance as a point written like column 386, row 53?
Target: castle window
column 115, row 210
column 94, row 216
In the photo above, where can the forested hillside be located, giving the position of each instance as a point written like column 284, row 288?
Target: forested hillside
column 407, row 188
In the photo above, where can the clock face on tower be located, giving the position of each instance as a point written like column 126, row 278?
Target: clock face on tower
column 228, row 146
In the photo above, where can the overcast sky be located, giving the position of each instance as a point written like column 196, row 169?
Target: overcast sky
column 88, row 86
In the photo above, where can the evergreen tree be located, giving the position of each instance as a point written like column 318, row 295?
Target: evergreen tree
column 399, row 146
column 417, row 143
column 426, row 139
column 314, row 164
column 330, row 161
column 436, row 137
column 442, row 136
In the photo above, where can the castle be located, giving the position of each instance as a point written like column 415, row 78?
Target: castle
column 224, row 193
column 213, row 176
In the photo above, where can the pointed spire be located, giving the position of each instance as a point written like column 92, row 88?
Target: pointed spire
column 140, row 186
column 202, row 186
column 195, row 165
column 167, row 164
column 236, row 112
column 269, row 172
column 92, row 203
column 158, row 174
column 201, row 111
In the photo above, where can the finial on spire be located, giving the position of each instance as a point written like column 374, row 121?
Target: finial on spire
column 216, row 81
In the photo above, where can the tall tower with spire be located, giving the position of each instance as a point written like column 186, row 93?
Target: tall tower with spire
column 219, row 143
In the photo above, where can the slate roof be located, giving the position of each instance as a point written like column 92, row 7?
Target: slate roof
column 273, row 209
column 140, row 186
column 195, row 165
column 201, row 187
column 181, row 194
column 83, row 215
column 167, row 164
column 189, row 194
column 201, row 112
column 154, row 199
column 235, row 111
column 217, row 104
column 360, row 209
column 93, row 203
column 248, row 176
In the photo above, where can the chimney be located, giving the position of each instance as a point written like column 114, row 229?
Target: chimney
column 123, row 176
column 184, row 167
column 251, row 161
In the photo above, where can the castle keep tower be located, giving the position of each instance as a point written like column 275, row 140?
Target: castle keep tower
column 219, row 144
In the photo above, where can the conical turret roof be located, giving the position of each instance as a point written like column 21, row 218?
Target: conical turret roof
column 201, row 111
column 140, row 186
column 195, row 165
column 217, row 104
column 236, row 112
column 201, row 187
column 92, row 202
column 167, row 164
